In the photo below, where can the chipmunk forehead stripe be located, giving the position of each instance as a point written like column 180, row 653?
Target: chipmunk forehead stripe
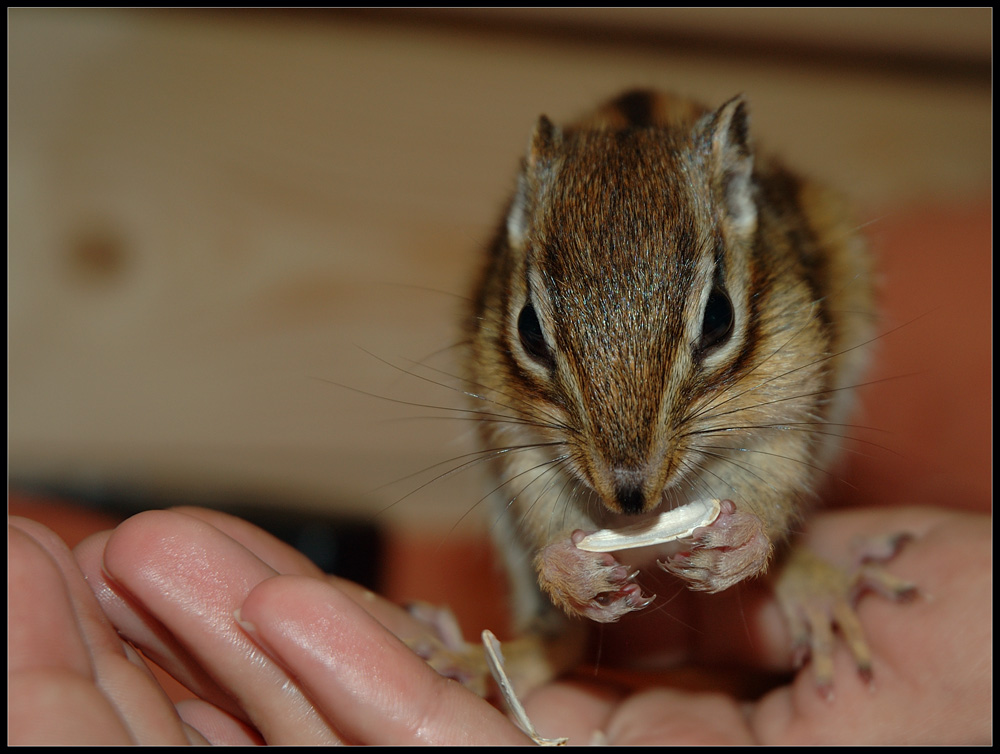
column 621, row 229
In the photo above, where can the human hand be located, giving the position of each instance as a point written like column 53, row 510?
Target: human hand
column 331, row 672
column 70, row 678
column 173, row 583
column 932, row 657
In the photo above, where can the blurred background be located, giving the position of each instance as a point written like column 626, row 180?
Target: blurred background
column 239, row 241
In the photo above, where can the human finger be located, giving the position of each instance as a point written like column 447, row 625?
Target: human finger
column 280, row 556
column 69, row 679
column 362, row 677
column 190, row 577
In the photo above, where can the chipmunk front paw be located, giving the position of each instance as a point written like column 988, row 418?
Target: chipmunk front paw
column 732, row 548
column 591, row 584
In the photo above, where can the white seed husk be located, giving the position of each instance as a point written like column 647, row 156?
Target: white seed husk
column 667, row 527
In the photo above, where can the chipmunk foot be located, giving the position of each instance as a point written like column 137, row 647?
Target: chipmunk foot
column 443, row 647
column 817, row 596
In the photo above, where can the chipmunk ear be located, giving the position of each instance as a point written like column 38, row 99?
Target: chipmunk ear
column 545, row 140
column 536, row 172
column 727, row 134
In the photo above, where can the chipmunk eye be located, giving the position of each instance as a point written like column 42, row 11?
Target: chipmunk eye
column 717, row 323
column 529, row 329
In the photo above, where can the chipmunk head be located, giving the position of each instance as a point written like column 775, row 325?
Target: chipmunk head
column 628, row 284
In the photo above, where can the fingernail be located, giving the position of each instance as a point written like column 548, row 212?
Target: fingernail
column 246, row 625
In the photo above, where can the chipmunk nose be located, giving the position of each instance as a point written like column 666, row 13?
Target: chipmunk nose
column 629, row 492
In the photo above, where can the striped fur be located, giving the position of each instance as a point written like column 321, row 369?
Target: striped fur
column 625, row 227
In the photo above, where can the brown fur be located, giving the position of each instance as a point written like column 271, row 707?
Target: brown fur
column 622, row 227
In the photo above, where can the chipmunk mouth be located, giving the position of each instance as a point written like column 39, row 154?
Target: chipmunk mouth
column 668, row 526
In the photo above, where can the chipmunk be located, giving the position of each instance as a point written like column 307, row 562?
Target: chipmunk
column 664, row 315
